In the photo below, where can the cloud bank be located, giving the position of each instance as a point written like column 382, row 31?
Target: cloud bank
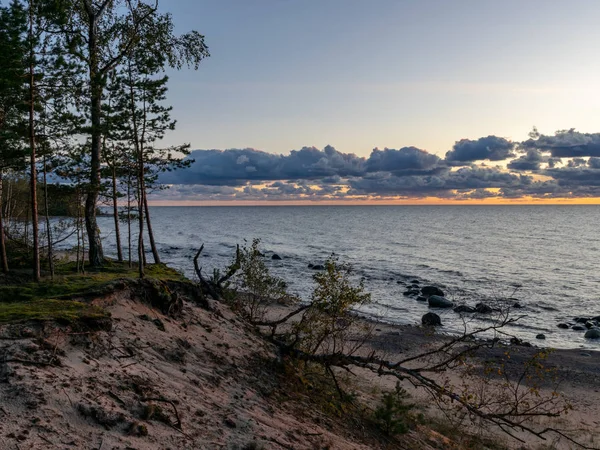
column 563, row 165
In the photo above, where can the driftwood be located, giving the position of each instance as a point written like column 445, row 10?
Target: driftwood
column 214, row 287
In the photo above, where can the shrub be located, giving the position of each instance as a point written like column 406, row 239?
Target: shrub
column 256, row 287
column 326, row 325
column 392, row 414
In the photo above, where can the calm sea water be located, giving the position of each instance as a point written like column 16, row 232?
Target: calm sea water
column 545, row 256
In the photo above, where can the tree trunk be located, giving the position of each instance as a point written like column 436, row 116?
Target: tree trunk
column 150, row 233
column 33, row 183
column 129, row 211
column 3, row 257
column 48, row 228
column 96, row 255
column 141, row 253
column 116, row 213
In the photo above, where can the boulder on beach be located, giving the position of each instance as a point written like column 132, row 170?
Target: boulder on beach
column 437, row 301
column 276, row 257
column 432, row 290
column 464, row 309
column 592, row 333
column 520, row 342
column 431, row 319
column 482, row 308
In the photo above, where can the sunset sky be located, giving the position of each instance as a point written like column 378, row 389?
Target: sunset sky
column 447, row 91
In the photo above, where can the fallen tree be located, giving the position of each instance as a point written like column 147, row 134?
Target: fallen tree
column 327, row 332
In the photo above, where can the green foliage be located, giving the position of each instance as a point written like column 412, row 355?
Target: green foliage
column 62, row 310
column 69, row 284
column 392, row 414
column 326, row 325
column 255, row 286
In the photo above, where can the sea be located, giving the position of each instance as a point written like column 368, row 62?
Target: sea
column 545, row 258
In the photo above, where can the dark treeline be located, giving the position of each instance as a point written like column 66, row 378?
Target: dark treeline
column 82, row 99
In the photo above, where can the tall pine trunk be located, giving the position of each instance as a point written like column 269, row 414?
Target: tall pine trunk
column 116, row 213
column 129, row 212
column 3, row 258
column 33, row 183
column 48, row 227
column 96, row 255
column 150, row 233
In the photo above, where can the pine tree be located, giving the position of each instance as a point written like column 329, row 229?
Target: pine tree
column 13, row 54
column 113, row 30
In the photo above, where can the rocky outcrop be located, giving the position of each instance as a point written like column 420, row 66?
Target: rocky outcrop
column 432, row 290
column 593, row 333
column 437, row 301
column 431, row 319
column 464, row 309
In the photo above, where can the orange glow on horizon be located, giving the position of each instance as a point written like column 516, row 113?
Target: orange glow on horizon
column 391, row 202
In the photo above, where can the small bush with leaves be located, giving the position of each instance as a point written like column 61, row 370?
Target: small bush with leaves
column 256, row 287
column 392, row 414
column 327, row 324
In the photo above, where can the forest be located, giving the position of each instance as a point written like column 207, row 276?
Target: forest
column 83, row 111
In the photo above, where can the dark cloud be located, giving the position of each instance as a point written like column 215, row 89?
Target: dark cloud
column 406, row 161
column 594, row 163
column 467, row 178
column 237, row 166
column 575, row 176
column 492, row 148
column 532, row 160
column 566, row 144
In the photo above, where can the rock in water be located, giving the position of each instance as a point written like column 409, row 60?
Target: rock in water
column 564, row 326
column 593, row 333
column 464, row 309
column 431, row 319
column 436, row 301
column 541, row 336
column 482, row 308
column 432, row 290
column 276, row 257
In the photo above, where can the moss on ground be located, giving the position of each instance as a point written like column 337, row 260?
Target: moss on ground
column 61, row 310
column 23, row 300
column 68, row 284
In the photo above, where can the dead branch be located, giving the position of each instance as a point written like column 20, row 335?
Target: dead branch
column 164, row 400
column 215, row 288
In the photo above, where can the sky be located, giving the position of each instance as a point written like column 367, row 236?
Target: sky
column 288, row 80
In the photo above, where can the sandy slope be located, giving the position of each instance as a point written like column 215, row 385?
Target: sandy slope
column 202, row 380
